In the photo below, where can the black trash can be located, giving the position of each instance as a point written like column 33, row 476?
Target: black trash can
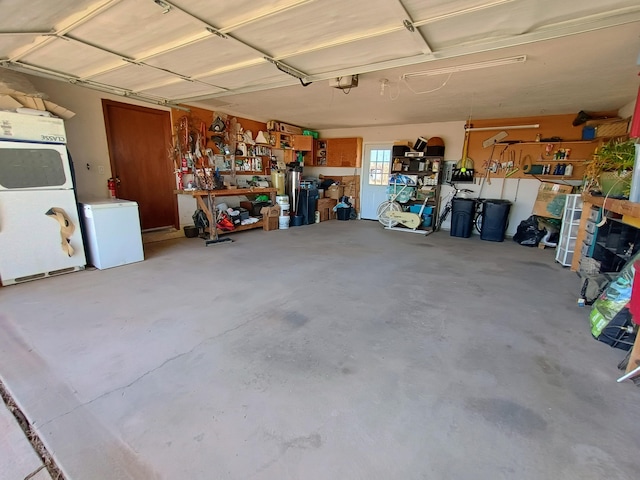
column 495, row 214
column 462, row 212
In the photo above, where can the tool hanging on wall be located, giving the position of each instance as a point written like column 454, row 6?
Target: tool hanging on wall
column 495, row 139
column 463, row 171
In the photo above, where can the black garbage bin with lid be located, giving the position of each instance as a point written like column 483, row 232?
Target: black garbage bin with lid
column 495, row 214
column 462, row 212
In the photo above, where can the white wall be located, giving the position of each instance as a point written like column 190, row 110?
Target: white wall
column 627, row 110
column 523, row 193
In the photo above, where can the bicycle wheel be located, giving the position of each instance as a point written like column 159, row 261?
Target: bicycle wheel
column 383, row 211
column 444, row 215
column 478, row 222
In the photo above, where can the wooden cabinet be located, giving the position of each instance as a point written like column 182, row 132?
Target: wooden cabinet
column 283, row 141
column 320, row 154
column 302, row 143
column 344, row 152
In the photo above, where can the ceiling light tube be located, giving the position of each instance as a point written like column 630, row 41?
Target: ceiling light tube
column 505, row 127
column 469, row 66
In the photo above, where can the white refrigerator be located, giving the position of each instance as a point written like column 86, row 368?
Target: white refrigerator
column 39, row 223
column 112, row 231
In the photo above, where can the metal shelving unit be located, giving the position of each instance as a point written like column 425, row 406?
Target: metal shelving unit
column 569, row 230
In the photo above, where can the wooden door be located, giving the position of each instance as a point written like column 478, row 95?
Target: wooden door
column 139, row 142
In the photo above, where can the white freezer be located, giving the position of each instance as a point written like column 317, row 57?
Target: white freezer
column 31, row 241
column 112, row 231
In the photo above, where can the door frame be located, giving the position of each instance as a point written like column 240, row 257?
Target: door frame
column 366, row 150
column 168, row 142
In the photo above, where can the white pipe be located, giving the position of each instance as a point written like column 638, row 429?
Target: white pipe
column 505, row 127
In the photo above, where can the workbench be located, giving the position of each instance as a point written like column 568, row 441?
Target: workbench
column 630, row 211
column 201, row 200
column 631, row 214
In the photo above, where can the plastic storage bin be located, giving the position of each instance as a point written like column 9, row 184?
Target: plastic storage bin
column 427, row 213
column 343, row 213
column 462, row 213
column 495, row 214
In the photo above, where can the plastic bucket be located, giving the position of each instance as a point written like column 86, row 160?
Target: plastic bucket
column 283, row 222
column 296, row 221
column 284, row 209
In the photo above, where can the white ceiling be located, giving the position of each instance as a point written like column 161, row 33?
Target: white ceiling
column 251, row 58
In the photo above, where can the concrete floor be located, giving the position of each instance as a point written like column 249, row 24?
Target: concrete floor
column 337, row 350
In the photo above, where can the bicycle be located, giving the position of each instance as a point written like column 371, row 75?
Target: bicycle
column 448, row 207
column 386, row 208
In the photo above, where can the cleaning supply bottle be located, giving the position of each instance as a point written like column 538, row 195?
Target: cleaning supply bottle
column 568, row 171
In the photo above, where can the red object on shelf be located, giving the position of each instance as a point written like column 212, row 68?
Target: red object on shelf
column 634, row 303
column 635, row 123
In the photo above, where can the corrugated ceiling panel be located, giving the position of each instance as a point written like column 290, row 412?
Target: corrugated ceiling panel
column 134, row 27
column 37, row 15
column 10, row 44
column 203, row 56
column 265, row 73
column 224, row 14
column 318, row 23
column 509, row 19
column 182, row 89
column 134, row 77
column 71, row 57
column 377, row 49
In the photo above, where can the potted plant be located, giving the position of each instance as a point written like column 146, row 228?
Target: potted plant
column 610, row 170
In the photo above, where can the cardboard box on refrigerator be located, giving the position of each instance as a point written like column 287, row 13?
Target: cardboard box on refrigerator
column 551, row 199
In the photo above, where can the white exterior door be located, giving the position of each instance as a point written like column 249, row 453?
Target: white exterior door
column 376, row 166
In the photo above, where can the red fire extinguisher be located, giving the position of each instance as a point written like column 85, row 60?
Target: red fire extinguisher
column 111, row 185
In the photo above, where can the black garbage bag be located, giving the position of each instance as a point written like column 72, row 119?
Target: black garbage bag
column 528, row 232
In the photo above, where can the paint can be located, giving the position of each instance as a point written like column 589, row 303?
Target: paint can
column 283, row 222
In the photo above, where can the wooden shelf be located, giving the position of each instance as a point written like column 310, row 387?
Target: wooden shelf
column 229, row 192
column 539, row 175
column 240, row 228
column 541, row 142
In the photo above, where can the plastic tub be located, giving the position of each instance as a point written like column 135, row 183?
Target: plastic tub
column 190, row 231
column 344, row 213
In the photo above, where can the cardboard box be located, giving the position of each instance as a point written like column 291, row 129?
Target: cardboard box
column 335, row 191
column 273, row 211
column 325, row 207
column 270, row 220
column 551, row 199
column 270, row 223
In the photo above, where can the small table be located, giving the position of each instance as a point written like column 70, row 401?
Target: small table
column 201, row 199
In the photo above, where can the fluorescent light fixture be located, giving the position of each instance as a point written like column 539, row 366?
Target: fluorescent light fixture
column 469, row 66
column 503, row 127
